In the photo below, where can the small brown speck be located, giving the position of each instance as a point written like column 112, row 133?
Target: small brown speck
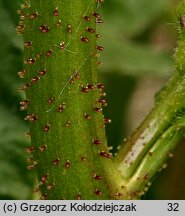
column 44, row 29
column 56, row 12
column 46, row 128
column 56, row 161
column 84, row 39
column 34, row 15
column 87, row 18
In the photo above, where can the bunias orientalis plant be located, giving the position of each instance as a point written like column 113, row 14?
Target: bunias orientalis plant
column 65, row 99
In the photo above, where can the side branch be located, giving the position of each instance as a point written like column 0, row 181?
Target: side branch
column 147, row 149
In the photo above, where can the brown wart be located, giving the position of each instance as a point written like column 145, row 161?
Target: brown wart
column 58, row 23
column 103, row 94
column 61, row 107
column 99, row 48
column 87, row 18
column 24, row 87
column 31, row 117
column 105, row 154
column 23, row 16
column 102, row 101
column 84, row 39
column 43, row 148
column 34, row 79
column 50, row 186
column 56, row 12
column 87, row 116
column 27, row 44
column 47, row 128
column 69, row 29
column 44, row 178
column 29, row 150
column 84, row 158
column 96, row 15
column 100, row 86
column 22, row 108
column 67, row 164
column 21, row 73
column 97, row 192
column 98, row 109
column 42, row 72
column 62, row 45
column 56, row 161
column 20, row 27
column 24, row 105
column 44, row 29
column 79, row 196
column 96, row 55
column 96, row 141
column 30, row 61
column 77, row 75
column 90, row 86
column 119, row 194
column 34, row 15
column 31, row 167
column 50, row 100
column 107, row 120
column 91, row 30
column 72, row 80
column 97, row 177
column 104, row 104
column 84, row 89
column 100, row 63
column 24, row 102
column 98, row 36
column 49, row 52
column 99, row 20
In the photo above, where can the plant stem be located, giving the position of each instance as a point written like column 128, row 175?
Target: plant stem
column 65, row 100
column 147, row 149
column 67, row 126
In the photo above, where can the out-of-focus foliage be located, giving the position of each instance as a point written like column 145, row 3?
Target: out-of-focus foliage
column 137, row 41
column 15, row 181
column 125, row 37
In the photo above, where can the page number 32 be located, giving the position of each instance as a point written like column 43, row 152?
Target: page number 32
column 173, row 207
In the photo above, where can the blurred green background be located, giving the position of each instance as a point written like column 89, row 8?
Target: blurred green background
column 139, row 39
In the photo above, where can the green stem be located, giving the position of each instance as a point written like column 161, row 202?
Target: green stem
column 147, row 149
column 157, row 122
column 65, row 99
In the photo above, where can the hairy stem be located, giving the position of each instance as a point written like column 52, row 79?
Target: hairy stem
column 64, row 99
